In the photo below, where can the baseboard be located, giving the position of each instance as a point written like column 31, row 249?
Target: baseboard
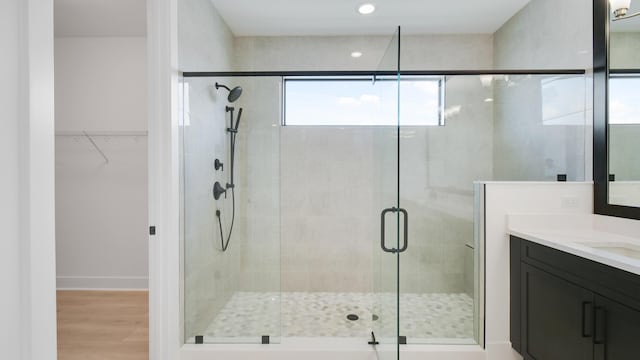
column 501, row 351
column 102, row 283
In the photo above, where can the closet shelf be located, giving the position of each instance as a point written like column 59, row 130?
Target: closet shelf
column 89, row 135
column 102, row 133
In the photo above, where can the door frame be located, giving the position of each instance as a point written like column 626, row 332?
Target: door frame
column 165, row 320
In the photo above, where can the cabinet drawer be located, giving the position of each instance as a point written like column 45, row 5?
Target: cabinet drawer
column 617, row 284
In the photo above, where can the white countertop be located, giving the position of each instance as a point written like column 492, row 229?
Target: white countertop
column 574, row 233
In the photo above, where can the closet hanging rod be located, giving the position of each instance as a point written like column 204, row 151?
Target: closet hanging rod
column 102, row 133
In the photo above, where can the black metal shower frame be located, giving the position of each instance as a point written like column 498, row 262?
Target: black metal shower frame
column 191, row 74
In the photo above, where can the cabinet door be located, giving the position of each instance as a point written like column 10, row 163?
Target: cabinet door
column 617, row 331
column 557, row 317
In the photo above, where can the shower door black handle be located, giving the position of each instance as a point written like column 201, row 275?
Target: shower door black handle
column 405, row 242
column 405, row 239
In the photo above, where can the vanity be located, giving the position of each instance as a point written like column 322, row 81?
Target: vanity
column 575, row 287
column 575, row 280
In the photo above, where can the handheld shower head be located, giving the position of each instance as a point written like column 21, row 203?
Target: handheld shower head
column 238, row 120
column 234, row 94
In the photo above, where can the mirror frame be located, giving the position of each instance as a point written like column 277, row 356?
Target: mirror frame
column 600, row 117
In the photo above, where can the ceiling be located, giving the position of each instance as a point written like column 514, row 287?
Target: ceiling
column 340, row 17
column 100, row 18
column 297, row 17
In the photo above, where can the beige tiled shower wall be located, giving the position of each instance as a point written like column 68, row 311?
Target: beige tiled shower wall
column 333, row 182
column 210, row 276
column 537, row 38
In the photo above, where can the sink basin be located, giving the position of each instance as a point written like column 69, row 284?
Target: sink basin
column 622, row 249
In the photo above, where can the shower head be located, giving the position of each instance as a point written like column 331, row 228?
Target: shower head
column 234, row 94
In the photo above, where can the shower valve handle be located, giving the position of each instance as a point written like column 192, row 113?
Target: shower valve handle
column 218, row 165
column 219, row 190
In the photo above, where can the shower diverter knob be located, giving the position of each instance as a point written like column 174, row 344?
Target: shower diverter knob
column 217, row 164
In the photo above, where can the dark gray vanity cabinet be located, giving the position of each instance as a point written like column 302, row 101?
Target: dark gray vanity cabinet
column 553, row 308
column 564, row 307
column 621, row 333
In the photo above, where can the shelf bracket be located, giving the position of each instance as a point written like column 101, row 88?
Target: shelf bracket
column 106, row 159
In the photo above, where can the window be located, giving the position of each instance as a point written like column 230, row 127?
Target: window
column 624, row 99
column 352, row 101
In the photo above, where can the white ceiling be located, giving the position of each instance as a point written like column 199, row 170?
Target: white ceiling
column 297, row 17
column 100, row 17
column 340, row 17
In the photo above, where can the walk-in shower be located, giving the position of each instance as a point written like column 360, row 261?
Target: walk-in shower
column 307, row 237
column 357, row 218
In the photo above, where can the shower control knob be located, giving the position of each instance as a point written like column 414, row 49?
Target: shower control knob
column 217, row 164
column 218, row 190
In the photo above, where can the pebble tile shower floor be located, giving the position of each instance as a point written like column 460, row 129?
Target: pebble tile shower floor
column 324, row 314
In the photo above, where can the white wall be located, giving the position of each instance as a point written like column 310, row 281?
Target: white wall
column 27, row 248
column 100, row 84
column 101, row 207
column 166, row 322
column 9, row 156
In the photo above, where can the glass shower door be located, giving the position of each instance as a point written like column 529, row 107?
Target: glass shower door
column 393, row 219
column 231, row 240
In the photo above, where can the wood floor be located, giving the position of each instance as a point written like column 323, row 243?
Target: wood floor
column 103, row 325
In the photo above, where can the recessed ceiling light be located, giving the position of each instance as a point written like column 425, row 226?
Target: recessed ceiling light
column 488, row 100
column 366, row 9
column 356, row 54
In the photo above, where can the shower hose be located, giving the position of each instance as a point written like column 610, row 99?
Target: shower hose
column 224, row 244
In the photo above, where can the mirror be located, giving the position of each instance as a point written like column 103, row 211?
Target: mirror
column 616, row 107
column 624, row 105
